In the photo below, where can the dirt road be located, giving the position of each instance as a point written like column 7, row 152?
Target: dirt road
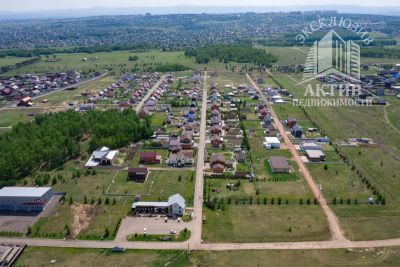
column 149, row 93
column 195, row 241
column 333, row 222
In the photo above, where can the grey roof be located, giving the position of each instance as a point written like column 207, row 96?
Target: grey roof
column 279, row 163
column 315, row 153
column 178, row 199
column 23, row 191
column 297, row 128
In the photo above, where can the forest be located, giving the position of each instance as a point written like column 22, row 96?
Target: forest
column 50, row 140
column 380, row 52
column 228, row 53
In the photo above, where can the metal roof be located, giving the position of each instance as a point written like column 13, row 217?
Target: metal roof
column 176, row 199
column 278, row 162
column 23, row 191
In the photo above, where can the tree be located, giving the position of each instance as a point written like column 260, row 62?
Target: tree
column 106, row 232
column 67, row 230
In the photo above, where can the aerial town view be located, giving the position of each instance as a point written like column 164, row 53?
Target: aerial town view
column 213, row 133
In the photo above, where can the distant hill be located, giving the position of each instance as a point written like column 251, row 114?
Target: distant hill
column 101, row 11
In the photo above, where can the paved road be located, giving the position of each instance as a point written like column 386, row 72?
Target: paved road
column 333, row 222
column 144, row 99
column 195, row 241
column 58, row 90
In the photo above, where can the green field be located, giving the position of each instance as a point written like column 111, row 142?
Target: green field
column 265, row 223
column 6, row 61
column 41, row 256
column 158, row 186
column 117, row 61
column 87, row 184
column 10, row 117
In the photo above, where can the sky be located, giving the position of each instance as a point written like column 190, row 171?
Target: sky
column 30, row 5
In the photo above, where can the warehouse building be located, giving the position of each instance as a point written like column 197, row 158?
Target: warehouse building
column 25, row 198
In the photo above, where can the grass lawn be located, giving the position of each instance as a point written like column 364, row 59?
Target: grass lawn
column 157, row 119
column 265, row 223
column 339, row 181
column 107, row 218
column 299, row 258
column 369, row 222
column 123, row 186
column 55, row 224
column 10, row 117
column 88, row 185
column 35, row 256
column 158, row 187
column 118, row 61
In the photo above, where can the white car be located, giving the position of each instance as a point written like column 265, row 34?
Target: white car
column 145, row 231
column 172, row 232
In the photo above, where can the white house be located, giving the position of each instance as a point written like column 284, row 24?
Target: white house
column 272, row 142
column 102, row 156
column 310, row 146
column 176, row 204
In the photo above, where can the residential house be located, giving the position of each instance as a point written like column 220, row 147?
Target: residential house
column 216, row 140
column 218, row 168
column 216, row 129
column 310, row 146
column 181, row 159
column 279, row 164
column 103, row 156
column 175, row 145
column 137, row 174
column 297, row 131
column 149, row 158
column 315, row 155
column 217, row 160
column 186, row 141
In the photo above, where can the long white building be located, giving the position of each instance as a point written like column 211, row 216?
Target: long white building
column 25, row 198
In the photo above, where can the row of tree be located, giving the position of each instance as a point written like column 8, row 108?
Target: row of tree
column 228, row 53
column 50, row 140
